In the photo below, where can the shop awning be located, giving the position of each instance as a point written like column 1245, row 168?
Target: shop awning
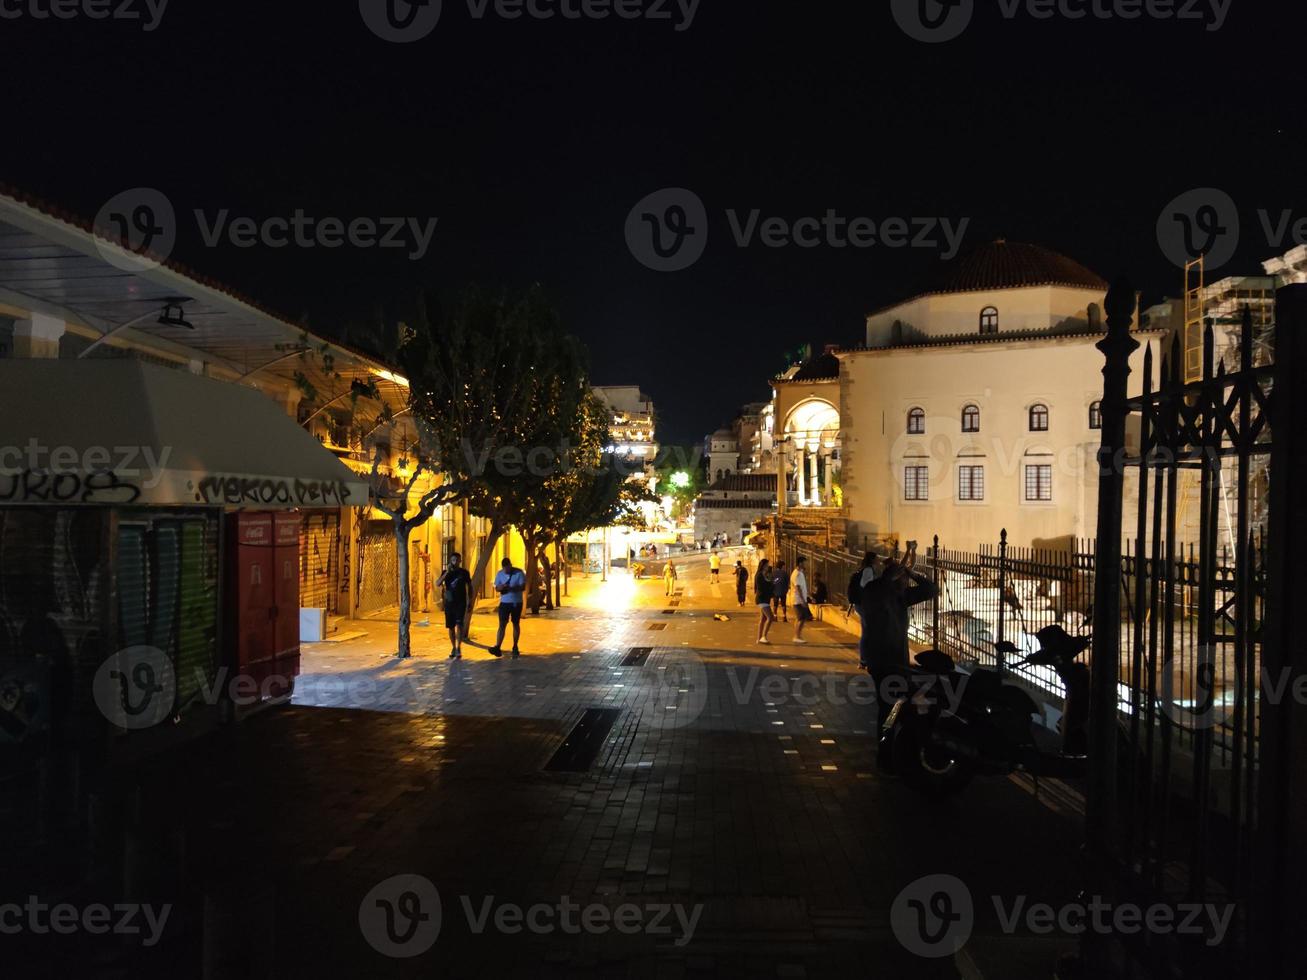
column 128, row 432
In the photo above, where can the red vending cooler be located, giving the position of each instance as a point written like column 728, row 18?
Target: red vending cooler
column 251, row 595
column 286, row 612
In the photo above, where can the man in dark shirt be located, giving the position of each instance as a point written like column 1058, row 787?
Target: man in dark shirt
column 456, row 586
column 741, row 581
column 885, row 604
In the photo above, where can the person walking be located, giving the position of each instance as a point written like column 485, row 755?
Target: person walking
column 886, row 602
column 780, row 590
column 799, row 583
column 741, row 581
column 510, row 583
column 669, row 576
column 456, row 586
column 715, row 566
column 763, row 583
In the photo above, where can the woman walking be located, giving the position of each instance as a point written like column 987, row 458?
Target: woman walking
column 762, row 595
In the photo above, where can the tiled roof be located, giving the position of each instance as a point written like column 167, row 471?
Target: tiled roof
column 1005, row 265
column 745, row 482
column 964, row 339
column 822, row 367
column 736, row 503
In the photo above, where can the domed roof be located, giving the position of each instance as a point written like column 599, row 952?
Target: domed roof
column 1007, row 265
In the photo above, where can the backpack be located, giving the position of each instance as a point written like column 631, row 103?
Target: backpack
column 855, row 588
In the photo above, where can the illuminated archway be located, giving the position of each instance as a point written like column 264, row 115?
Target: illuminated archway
column 812, row 434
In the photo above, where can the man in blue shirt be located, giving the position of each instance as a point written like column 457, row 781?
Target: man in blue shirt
column 510, row 583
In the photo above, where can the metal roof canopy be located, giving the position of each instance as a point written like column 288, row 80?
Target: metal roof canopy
column 53, row 266
column 129, row 433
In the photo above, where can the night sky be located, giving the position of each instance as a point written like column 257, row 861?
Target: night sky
column 532, row 140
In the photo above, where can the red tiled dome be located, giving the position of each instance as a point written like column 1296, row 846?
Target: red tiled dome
column 1007, row 265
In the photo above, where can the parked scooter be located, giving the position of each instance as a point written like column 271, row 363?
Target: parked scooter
column 952, row 725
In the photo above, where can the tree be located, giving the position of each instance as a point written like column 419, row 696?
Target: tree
column 472, row 388
column 513, row 482
column 681, row 477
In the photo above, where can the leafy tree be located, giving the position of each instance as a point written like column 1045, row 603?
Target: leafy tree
column 472, row 391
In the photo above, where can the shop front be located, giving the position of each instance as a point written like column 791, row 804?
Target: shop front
column 151, row 526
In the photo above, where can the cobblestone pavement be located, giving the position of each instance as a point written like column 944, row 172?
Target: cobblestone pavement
column 735, row 796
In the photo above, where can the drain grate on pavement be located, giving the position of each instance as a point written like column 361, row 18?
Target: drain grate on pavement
column 657, row 626
column 584, row 742
column 668, row 612
column 637, row 656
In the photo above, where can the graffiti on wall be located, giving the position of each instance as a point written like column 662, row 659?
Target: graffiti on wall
column 43, row 486
column 264, row 491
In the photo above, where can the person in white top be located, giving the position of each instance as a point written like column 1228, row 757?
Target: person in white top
column 799, row 599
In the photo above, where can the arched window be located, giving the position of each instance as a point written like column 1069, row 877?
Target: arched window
column 1038, row 418
column 971, row 418
column 989, row 320
column 916, row 422
column 1096, row 415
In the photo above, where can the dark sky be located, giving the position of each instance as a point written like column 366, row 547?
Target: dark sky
column 531, row 141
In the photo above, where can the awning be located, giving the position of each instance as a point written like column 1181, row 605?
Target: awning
column 128, row 432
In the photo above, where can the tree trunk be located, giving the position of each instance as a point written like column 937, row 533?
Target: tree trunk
column 405, row 596
column 479, row 573
column 532, row 568
column 549, row 576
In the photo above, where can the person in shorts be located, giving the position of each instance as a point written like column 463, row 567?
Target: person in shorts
column 715, row 566
column 763, row 583
column 799, row 584
column 779, row 591
column 510, row 583
column 456, row 588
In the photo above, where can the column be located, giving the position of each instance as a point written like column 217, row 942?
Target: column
column 814, row 492
column 828, row 458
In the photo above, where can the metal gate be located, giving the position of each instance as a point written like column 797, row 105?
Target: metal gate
column 320, row 560
column 1178, row 617
column 378, row 567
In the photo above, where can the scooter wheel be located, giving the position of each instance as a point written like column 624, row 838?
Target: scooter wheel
column 928, row 769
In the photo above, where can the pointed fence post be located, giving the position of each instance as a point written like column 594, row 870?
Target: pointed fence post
column 999, row 659
column 1117, row 346
column 934, row 618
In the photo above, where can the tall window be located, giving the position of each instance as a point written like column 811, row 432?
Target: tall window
column 916, row 422
column 971, row 482
column 971, row 418
column 1096, row 415
column 1039, row 481
column 989, row 320
column 1038, row 418
column 916, row 483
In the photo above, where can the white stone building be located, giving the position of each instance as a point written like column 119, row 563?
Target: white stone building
column 972, row 406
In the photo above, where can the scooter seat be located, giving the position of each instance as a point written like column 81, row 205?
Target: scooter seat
column 935, row 662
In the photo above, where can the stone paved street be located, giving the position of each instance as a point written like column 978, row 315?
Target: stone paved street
column 737, row 777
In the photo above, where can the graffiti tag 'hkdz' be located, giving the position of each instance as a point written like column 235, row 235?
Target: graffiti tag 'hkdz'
column 99, row 487
column 253, row 490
